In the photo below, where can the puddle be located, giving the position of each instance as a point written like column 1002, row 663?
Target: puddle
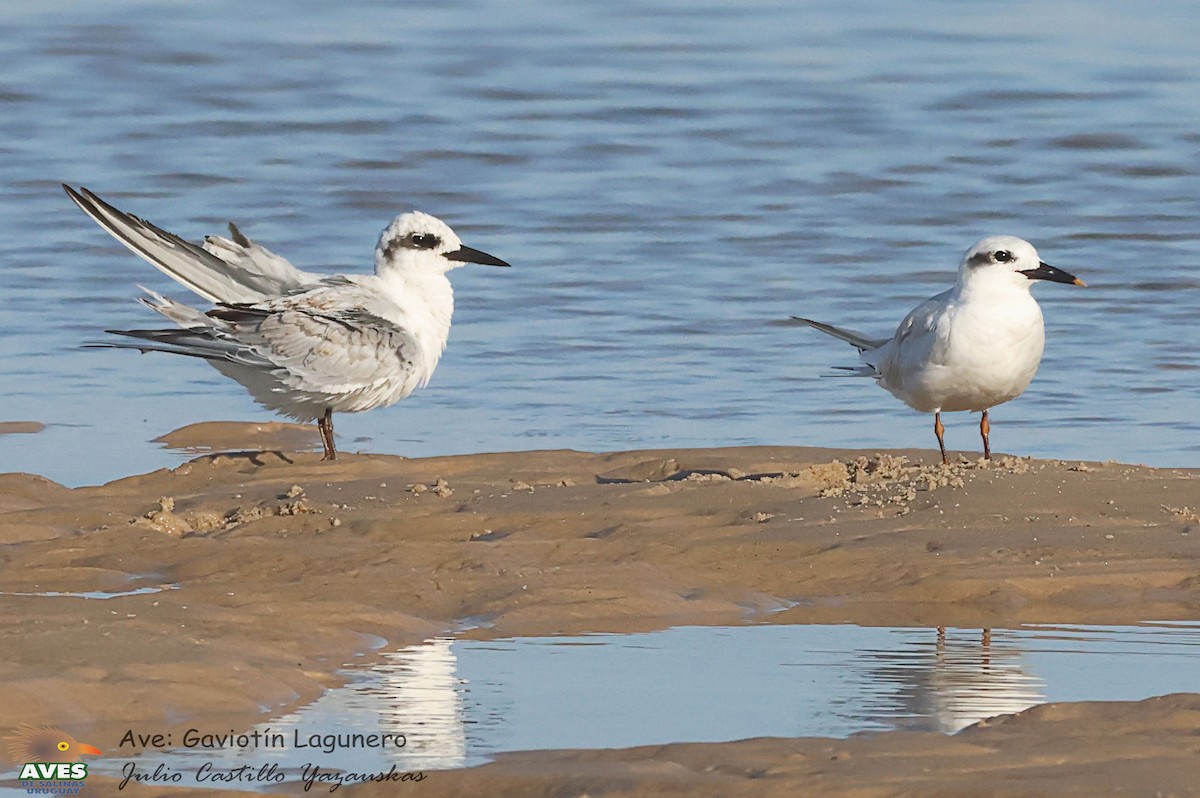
column 96, row 594
column 458, row 702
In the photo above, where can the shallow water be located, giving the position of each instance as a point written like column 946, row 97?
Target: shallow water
column 92, row 594
column 459, row 702
column 671, row 181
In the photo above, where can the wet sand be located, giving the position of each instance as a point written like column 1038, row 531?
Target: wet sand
column 21, row 427
column 276, row 568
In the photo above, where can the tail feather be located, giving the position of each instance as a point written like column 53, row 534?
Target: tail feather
column 208, row 343
column 150, row 346
column 855, row 371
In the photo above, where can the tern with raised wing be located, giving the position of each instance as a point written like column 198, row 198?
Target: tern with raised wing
column 971, row 347
column 305, row 345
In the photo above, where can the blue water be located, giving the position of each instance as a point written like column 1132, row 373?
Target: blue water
column 457, row 703
column 670, row 181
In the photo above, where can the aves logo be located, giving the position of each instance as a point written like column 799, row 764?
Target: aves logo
column 50, row 758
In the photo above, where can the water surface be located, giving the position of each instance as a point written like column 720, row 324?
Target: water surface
column 460, row 702
column 669, row 180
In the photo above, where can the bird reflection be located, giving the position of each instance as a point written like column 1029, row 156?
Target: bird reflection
column 952, row 681
column 421, row 696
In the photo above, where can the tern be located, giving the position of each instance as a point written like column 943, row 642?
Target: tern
column 971, row 347
column 305, row 345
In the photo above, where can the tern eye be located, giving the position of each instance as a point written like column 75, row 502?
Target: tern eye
column 424, row 240
column 1003, row 256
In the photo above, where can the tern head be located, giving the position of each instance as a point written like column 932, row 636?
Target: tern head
column 1010, row 259
column 419, row 241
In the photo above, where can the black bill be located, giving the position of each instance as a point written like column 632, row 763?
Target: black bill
column 1045, row 271
column 469, row 255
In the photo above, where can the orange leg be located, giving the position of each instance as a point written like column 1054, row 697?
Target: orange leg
column 984, row 429
column 938, row 429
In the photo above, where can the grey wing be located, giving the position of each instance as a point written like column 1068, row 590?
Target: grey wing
column 922, row 319
column 324, row 351
column 222, row 271
column 258, row 268
column 853, row 337
column 914, row 337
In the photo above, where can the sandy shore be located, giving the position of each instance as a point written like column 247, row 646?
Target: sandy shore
column 276, row 568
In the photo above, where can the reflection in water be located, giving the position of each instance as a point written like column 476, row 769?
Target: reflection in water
column 415, row 693
column 949, row 682
column 458, row 702
column 420, row 695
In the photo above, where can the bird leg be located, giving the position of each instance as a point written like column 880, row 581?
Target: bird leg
column 938, row 429
column 325, row 425
column 984, row 429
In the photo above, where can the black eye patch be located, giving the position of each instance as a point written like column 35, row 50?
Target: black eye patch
column 422, row 241
column 411, row 241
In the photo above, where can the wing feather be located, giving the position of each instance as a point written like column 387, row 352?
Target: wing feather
column 223, row 270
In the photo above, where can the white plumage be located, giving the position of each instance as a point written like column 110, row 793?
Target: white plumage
column 303, row 344
column 971, row 347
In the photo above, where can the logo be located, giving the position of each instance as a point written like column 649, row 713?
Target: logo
column 50, row 759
